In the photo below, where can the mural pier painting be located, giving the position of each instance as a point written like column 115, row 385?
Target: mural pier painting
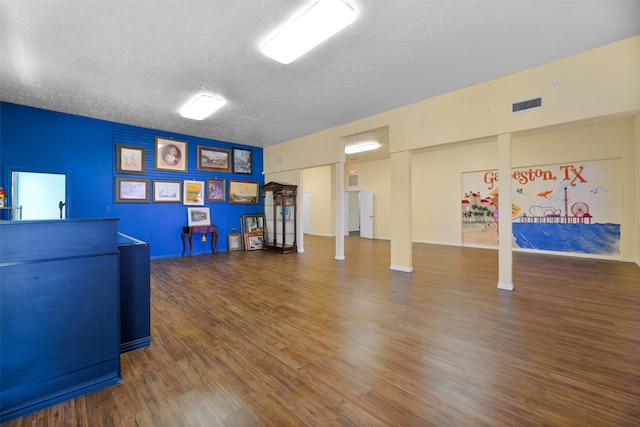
column 564, row 207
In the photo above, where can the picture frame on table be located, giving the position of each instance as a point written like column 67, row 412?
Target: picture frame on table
column 198, row 217
column 235, row 241
column 214, row 159
column 167, row 191
column 132, row 190
column 131, row 159
column 193, row 193
column 243, row 192
column 216, row 190
column 242, row 161
column 171, row 155
column 253, row 241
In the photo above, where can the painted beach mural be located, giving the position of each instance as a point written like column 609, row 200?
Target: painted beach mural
column 571, row 207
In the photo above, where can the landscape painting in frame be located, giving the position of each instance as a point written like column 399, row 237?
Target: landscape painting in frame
column 132, row 190
column 243, row 192
column 214, row 159
column 167, row 191
column 568, row 207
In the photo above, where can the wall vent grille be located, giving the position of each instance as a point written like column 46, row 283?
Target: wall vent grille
column 526, row 105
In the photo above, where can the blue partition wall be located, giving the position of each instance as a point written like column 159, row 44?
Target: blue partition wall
column 85, row 149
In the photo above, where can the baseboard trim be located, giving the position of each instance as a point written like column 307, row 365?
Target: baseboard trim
column 403, row 269
column 505, row 286
column 135, row 344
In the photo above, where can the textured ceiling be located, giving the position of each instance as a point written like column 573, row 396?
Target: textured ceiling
column 139, row 62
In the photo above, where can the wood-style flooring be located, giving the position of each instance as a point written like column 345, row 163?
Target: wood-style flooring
column 262, row 339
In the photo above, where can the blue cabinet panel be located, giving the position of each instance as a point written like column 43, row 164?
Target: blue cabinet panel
column 59, row 312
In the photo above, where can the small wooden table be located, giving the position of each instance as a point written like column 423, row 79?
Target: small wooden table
column 200, row 229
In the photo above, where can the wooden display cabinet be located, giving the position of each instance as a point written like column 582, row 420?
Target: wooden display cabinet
column 280, row 215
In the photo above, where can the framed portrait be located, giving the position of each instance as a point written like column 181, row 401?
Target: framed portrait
column 252, row 223
column 242, row 161
column 130, row 159
column 193, row 193
column 235, row 241
column 216, row 190
column 243, row 192
column 167, row 191
column 132, row 190
column 198, row 216
column 253, row 241
column 214, row 159
column 171, row 155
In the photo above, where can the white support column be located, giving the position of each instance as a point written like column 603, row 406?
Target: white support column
column 505, row 245
column 299, row 212
column 339, row 190
column 401, row 239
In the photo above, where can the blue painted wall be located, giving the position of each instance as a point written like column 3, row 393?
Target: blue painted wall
column 39, row 140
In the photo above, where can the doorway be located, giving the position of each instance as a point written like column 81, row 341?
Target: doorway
column 358, row 210
column 39, row 195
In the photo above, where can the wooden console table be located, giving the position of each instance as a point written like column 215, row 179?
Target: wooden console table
column 201, row 229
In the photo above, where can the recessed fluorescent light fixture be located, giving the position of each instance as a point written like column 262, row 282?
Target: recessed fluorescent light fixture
column 360, row 147
column 202, row 107
column 318, row 23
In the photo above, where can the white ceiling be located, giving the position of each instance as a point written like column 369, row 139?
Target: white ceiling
column 139, row 62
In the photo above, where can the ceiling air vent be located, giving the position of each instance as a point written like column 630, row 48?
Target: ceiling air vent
column 526, row 105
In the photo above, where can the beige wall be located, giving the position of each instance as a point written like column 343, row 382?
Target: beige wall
column 596, row 85
column 637, row 192
column 318, row 181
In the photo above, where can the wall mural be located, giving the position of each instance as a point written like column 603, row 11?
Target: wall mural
column 570, row 207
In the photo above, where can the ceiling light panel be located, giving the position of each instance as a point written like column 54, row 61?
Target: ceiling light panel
column 202, row 106
column 360, row 147
column 321, row 21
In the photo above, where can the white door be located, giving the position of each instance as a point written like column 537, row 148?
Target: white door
column 366, row 214
column 306, row 212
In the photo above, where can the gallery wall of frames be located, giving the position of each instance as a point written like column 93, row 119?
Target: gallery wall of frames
column 147, row 178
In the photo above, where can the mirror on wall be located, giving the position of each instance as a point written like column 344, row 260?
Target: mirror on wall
column 41, row 195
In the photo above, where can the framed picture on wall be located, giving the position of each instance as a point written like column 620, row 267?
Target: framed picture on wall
column 243, row 192
column 167, row 191
column 198, row 216
column 214, row 159
column 171, row 154
column 130, row 159
column 242, row 161
column 193, row 193
column 132, row 190
column 216, row 190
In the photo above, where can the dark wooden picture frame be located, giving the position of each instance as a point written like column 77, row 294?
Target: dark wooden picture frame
column 214, row 159
column 216, row 190
column 242, row 161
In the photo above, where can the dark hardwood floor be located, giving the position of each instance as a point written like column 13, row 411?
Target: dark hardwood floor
column 262, row 339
